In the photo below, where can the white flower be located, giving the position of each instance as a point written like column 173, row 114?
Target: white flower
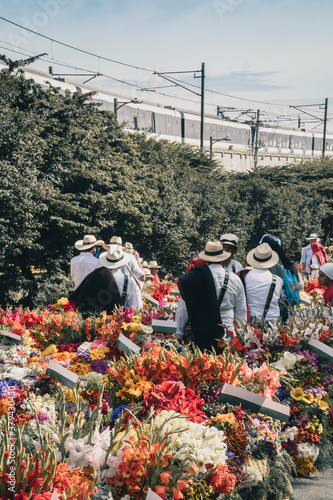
column 289, row 434
column 204, row 444
column 79, row 452
column 147, row 330
column 308, row 450
column 287, row 361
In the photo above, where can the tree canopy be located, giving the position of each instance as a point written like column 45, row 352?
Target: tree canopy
column 68, row 169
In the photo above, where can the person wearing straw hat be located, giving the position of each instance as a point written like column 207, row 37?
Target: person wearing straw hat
column 262, row 288
column 307, row 254
column 230, row 244
column 325, row 278
column 210, row 296
column 106, row 287
column 154, row 267
column 86, row 262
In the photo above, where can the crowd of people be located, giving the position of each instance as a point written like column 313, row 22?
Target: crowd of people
column 216, row 291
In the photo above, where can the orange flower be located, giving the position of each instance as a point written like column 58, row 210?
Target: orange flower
column 165, row 476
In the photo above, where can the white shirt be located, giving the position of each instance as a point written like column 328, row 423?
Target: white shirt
column 258, row 283
column 233, row 305
column 234, row 264
column 306, row 257
column 82, row 265
column 132, row 298
column 132, row 268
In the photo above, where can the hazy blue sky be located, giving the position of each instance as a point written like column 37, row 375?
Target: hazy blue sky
column 277, row 51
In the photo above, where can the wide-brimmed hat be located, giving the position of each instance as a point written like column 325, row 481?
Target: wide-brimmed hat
column 313, row 236
column 144, row 264
column 262, row 257
column 128, row 247
column 114, row 258
column 148, row 273
column 116, row 240
column 152, row 264
column 327, row 269
column 214, row 252
column 88, row 241
column 229, row 239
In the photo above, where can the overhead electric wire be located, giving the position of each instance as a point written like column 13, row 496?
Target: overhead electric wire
column 53, row 40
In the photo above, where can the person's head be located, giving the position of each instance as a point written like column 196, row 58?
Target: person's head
column 88, row 244
column 230, row 243
column 115, row 257
column 153, row 267
column 214, row 253
column 313, row 238
column 325, row 276
column 116, row 240
column 262, row 257
column 128, row 247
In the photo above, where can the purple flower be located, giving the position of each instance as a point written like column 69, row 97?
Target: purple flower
column 99, row 366
column 42, row 417
column 84, row 354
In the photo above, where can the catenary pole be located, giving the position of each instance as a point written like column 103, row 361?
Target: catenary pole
column 256, row 142
column 202, row 127
column 325, row 123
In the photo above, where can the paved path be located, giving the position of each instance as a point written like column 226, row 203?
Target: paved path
column 319, row 486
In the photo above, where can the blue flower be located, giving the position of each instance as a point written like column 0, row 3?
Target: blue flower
column 115, row 414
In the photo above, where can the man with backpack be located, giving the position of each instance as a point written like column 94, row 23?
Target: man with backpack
column 210, row 297
column 106, row 287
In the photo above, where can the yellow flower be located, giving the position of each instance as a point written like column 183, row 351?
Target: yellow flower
column 80, row 368
column 226, row 417
column 297, row 394
column 60, row 303
column 133, row 327
column 308, row 398
column 323, row 405
column 70, row 395
column 100, row 353
column 51, row 349
column 137, row 318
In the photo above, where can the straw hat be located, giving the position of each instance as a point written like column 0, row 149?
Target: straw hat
column 116, row 240
column 152, row 264
column 214, row 252
column 114, row 258
column 262, row 257
column 148, row 273
column 144, row 264
column 229, row 239
column 88, row 241
column 313, row 236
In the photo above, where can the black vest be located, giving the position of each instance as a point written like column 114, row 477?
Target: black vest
column 198, row 290
column 98, row 292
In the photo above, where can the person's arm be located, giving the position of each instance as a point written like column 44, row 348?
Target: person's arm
column 181, row 318
column 240, row 310
column 131, row 295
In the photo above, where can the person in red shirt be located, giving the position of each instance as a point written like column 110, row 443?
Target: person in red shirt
column 325, row 278
column 152, row 265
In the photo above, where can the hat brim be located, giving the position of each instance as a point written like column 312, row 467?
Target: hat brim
column 79, row 245
column 154, row 267
column 274, row 259
column 114, row 265
column 317, row 239
column 214, row 258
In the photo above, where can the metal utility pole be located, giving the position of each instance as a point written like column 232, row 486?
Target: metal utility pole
column 325, row 123
column 202, row 127
column 202, row 93
column 256, row 141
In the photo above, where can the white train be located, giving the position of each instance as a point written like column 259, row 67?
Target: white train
column 233, row 142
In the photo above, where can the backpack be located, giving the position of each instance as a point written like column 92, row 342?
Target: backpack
column 290, row 287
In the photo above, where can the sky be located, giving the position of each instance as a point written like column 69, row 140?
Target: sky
column 276, row 52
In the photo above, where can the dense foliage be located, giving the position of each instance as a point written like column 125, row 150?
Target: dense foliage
column 69, row 169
